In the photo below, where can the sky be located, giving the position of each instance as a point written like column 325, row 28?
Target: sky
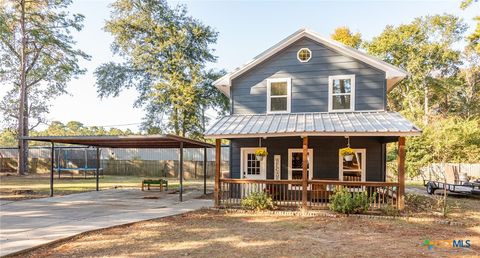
column 245, row 28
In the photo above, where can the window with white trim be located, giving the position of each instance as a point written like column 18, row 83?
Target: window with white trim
column 304, row 55
column 279, row 95
column 341, row 93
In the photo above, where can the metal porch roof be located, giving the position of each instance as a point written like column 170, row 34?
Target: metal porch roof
column 367, row 123
column 128, row 141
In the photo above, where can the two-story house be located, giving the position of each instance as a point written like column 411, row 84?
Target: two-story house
column 302, row 100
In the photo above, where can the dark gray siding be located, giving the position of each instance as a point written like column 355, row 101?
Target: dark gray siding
column 325, row 155
column 309, row 80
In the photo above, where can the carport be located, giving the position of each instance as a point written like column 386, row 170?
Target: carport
column 130, row 141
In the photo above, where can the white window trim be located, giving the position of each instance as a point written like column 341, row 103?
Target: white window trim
column 263, row 163
column 298, row 53
column 310, row 156
column 289, row 95
column 330, row 92
column 364, row 165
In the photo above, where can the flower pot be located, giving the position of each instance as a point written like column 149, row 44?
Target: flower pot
column 348, row 157
column 259, row 158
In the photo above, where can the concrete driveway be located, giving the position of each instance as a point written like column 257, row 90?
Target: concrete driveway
column 26, row 224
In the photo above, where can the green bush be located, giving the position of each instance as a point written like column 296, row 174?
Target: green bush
column 257, row 201
column 346, row 202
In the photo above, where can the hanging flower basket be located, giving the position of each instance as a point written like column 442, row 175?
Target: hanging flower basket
column 347, row 153
column 260, row 154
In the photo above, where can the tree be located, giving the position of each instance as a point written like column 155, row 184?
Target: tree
column 164, row 52
column 425, row 49
column 37, row 58
column 462, row 95
column 474, row 38
column 345, row 36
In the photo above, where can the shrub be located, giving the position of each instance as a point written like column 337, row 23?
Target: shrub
column 257, row 201
column 415, row 203
column 346, row 202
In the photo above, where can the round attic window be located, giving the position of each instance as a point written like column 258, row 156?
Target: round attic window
column 304, row 55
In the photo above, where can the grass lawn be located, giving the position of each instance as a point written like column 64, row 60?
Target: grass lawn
column 40, row 185
column 208, row 233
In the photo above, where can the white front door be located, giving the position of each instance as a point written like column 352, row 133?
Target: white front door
column 251, row 168
column 295, row 167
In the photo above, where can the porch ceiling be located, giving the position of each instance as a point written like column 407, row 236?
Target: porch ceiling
column 377, row 123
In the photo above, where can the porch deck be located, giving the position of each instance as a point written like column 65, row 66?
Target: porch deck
column 289, row 193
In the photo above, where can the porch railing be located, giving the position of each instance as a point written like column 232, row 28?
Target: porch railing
column 288, row 193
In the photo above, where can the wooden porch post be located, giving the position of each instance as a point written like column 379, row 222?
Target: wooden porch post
column 304, row 173
column 401, row 173
column 218, row 158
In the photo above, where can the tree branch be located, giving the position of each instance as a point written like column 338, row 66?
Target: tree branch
column 12, row 49
column 35, row 58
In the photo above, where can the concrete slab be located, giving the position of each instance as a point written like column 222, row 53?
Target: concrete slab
column 26, row 224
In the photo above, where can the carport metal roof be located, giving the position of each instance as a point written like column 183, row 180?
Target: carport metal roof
column 128, row 141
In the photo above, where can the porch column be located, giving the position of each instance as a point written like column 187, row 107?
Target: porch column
column 304, row 173
column 52, row 164
column 401, row 173
column 218, row 158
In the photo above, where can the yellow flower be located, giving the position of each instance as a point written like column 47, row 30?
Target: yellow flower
column 346, row 151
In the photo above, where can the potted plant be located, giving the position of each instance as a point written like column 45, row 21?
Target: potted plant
column 260, row 154
column 347, row 153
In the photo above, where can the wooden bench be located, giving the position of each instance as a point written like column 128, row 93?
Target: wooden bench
column 160, row 182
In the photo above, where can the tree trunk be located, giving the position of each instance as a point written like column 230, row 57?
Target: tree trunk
column 176, row 126
column 23, row 114
column 425, row 105
column 203, row 119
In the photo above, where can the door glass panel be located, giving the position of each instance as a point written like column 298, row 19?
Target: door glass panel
column 297, row 163
column 253, row 165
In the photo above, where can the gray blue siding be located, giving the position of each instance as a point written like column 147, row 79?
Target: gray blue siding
column 309, row 80
column 325, row 155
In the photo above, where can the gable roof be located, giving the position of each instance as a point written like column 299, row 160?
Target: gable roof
column 393, row 73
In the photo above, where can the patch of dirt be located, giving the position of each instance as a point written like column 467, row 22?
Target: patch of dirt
column 151, row 197
column 23, row 191
column 208, row 233
column 208, row 196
